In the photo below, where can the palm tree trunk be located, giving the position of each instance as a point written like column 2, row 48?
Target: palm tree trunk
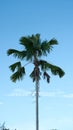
column 37, row 104
column 37, row 90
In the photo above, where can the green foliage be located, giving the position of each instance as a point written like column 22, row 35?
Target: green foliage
column 14, row 66
column 47, row 46
column 33, row 48
column 33, row 75
column 20, row 71
column 16, row 53
column 18, row 74
column 54, row 69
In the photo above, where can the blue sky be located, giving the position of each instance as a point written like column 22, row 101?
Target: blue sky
column 52, row 19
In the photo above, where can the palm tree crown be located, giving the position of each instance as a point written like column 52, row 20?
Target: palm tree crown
column 33, row 50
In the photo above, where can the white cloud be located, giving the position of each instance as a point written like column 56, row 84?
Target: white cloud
column 52, row 94
column 22, row 93
column 19, row 93
column 47, row 94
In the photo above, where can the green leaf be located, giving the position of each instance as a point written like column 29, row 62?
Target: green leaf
column 14, row 66
column 53, row 42
column 46, row 75
column 54, row 69
column 47, row 46
column 16, row 53
column 18, row 75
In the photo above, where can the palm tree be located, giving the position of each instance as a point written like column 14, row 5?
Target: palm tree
column 33, row 50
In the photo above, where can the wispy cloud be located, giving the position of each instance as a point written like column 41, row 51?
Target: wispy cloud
column 23, row 93
column 47, row 94
column 19, row 93
column 52, row 94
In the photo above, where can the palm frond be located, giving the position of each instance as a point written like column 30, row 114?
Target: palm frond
column 47, row 46
column 32, row 75
column 28, row 46
column 37, row 44
column 54, row 69
column 26, row 42
column 53, row 42
column 14, row 66
column 18, row 75
column 37, row 37
column 36, row 40
column 46, row 75
column 32, row 45
column 16, row 53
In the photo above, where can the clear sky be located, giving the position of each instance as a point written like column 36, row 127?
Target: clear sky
column 52, row 19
